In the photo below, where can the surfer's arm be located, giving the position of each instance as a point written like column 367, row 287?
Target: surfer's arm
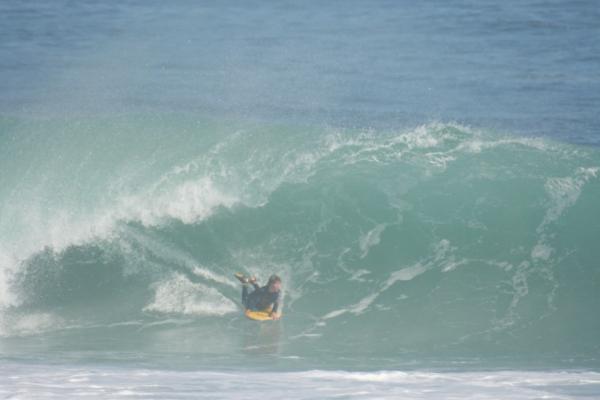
column 274, row 314
column 275, row 306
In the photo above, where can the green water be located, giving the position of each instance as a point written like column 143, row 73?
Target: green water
column 396, row 248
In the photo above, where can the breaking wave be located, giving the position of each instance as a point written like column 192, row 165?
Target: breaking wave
column 440, row 238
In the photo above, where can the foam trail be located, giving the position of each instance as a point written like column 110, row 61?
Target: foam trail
column 371, row 239
column 179, row 295
column 403, row 274
column 564, row 192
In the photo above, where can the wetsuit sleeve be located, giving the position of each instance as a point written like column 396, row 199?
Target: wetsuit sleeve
column 276, row 304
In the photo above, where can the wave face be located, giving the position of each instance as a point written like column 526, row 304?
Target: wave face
column 437, row 240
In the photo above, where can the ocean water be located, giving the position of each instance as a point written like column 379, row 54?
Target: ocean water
column 425, row 178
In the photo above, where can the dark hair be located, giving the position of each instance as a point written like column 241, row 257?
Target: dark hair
column 272, row 279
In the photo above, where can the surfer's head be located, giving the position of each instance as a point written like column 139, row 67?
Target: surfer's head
column 274, row 284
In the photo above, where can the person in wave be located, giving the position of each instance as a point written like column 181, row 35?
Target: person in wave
column 261, row 298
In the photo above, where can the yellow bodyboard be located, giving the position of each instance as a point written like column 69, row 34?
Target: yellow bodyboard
column 264, row 315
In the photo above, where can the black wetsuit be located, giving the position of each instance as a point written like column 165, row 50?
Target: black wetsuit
column 260, row 298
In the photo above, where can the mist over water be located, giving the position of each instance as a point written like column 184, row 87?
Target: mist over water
column 424, row 178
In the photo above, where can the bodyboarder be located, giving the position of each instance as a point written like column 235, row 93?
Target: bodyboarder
column 261, row 298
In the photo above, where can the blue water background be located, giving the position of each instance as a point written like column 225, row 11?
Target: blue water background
column 526, row 67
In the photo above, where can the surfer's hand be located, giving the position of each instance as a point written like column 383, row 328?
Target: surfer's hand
column 275, row 316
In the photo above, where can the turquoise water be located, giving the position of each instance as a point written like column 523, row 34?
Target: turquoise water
column 437, row 241
column 425, row 186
